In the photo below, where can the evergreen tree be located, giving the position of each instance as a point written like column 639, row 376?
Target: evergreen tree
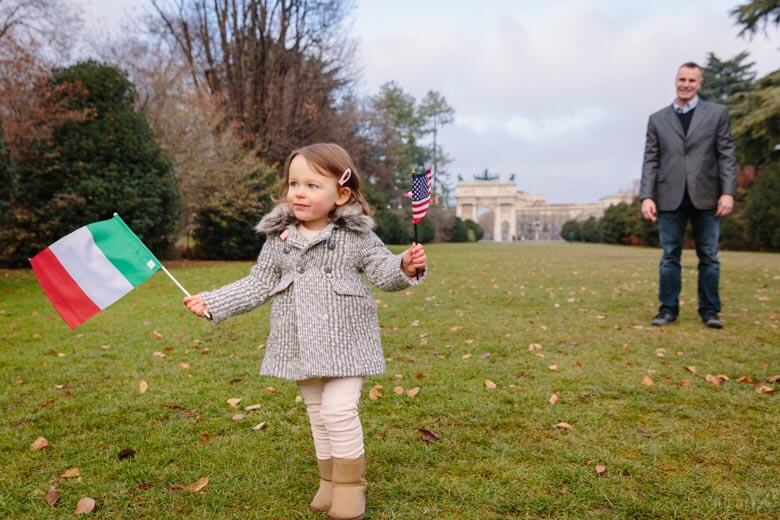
column 459, row 232
column 570, row 231
column 475, row 231
column 7, row 178
column 763, row 210
column 724, row 80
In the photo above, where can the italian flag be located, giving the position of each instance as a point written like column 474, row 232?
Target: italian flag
column 91, row 268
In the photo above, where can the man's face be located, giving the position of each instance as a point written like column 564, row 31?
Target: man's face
column 688, row 83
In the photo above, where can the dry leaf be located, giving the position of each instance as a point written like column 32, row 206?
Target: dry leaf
column 71, row 473
column 413, row 391
column 253, row 407
column 416, row 323
column 647, row 381
column 601, row 317
column 764, row 389
column 259, row 426
column 490, row 385
column 143, row 386
column 39, row 444
column 157, row 335
column 553, row 399
column 85, row 505
column 723, row 377
column 238, row 417
column 398, row 390
column 199, row 485
column 600, row 469
column 660, row 352
column 158, row 354
column 685, row 382
column 298, row 399
column 564, row 426
column 534, row 347
column 773, row 379
column 51, row 496
column 104, row 347
column 233, row 401
column 205, row 437
column 553, row 367
column 466, row 356
column 270, row 389
column 184, row 366
column 692, row 370
column 427, row 435
column 745, row 379
column 126, row 453
column 375, row 392
column 712, row 379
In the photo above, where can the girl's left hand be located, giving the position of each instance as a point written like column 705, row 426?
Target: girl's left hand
column 413, row 260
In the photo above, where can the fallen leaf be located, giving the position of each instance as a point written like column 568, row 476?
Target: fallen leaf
column 143, row 386
column 490, row 385
column 259, row 426
column 51, row 496
column 712, row 379
column 233, row 401
column 157, row 335
column 692, row 370
column 564, row 426
column 126, row 453
column 553, row 399
column 298, row 399
column 375, row 392
column 427, row 435
column 685, row 382
column 398, row 390
column 253, row 407
column 600, row 469
column 601, row 317
column 238, row 417
column 764, row 389
column 745, row 379
column 158, row 354
column 145, row 485
column 205, row 437
column 199, row 485
column 773, row 379
column 553, row 367
column 85, row 505
column 184, row 366
column 416, row 323
column 39, row 444
column 534, row 347
column 660, row 352
column 647, row 381
column 71, row 473
column 270, row 389
column 104, row 347
column 413, row 391
column 723, row 377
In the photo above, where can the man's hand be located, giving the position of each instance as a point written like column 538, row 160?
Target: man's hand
column 649, row 210
column 197, row 305
column 725, row 205
column 413, row 260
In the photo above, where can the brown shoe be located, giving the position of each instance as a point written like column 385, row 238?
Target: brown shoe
column 322, row 500
column 349, row 490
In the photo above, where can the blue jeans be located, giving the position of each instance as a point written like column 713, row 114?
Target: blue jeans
column 706, row 233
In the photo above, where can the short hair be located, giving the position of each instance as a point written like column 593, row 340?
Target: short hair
column 690, row 65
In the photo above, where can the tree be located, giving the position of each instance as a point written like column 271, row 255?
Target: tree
column 7, row 177
column 435, row 111
column 89, row 168
column 755, row 15
column 276, row 65
column 389, row 227
column 50, row 23
column 724, row 80
column 756, row 120
column 763, row 210
column 458, row 232
column 475, row 231
column 570, row 231
column 589, row 230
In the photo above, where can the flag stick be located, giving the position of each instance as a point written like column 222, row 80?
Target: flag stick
column 186, row 293
column 416, row 272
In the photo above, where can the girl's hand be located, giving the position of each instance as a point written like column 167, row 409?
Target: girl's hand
column 414, row 260
column 196, row 305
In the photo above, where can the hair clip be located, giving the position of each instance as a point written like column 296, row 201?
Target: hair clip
column 345, row 176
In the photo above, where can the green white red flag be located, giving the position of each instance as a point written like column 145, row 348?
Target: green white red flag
column 88, row 270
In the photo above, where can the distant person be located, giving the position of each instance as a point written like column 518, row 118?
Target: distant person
column 324, row 329
column 689, row 173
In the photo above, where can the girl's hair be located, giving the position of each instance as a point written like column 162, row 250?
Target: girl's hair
column 328, row 159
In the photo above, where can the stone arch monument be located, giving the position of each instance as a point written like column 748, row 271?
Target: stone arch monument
column 499, row 197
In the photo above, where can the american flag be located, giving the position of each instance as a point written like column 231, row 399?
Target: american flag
column 420, row 194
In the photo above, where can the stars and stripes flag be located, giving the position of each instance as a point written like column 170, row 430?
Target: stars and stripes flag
column 420, row 194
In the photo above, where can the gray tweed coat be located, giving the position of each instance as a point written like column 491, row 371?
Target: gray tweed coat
column 323, row 316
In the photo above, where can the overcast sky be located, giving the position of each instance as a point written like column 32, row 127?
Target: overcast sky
column 556, row 92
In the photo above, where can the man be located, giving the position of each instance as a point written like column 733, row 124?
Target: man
column 689, row 173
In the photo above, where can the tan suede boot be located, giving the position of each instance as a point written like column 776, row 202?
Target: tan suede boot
column 349, row 490
column 322, row 500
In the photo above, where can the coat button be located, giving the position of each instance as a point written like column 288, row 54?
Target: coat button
column 328, row 269
column 286, row 250
column 300, row 269
column 331, row 245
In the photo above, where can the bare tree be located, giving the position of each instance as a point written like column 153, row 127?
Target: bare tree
column 277, row 66
column 49, row 23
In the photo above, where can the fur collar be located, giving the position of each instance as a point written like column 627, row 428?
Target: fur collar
column 348, row 216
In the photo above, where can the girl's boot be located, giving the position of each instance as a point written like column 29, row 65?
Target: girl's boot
column 322, row 500
column 349, row 490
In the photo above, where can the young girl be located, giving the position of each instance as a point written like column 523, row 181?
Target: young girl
column 324, row 329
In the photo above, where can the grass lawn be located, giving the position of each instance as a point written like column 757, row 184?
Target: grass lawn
column 671, row 443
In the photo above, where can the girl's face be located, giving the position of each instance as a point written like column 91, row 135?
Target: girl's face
column 311, row 195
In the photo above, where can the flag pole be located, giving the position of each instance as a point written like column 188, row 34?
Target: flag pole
column 416, row 272
column 180, row 286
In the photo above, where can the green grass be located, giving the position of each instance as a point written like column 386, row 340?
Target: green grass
column 670, row 450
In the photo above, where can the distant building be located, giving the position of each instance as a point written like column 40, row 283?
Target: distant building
column 518, row 215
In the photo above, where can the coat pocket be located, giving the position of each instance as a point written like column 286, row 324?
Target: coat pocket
column 346, row 287
column 281, row 286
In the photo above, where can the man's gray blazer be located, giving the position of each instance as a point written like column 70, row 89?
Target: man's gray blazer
column 705, row 158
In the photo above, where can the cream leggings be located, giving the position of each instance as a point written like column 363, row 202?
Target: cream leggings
column 332, row 405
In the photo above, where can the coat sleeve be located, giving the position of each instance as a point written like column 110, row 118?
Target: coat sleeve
column 651, row 161
column 727, row 161
column 382, row 266
column 247, row 293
